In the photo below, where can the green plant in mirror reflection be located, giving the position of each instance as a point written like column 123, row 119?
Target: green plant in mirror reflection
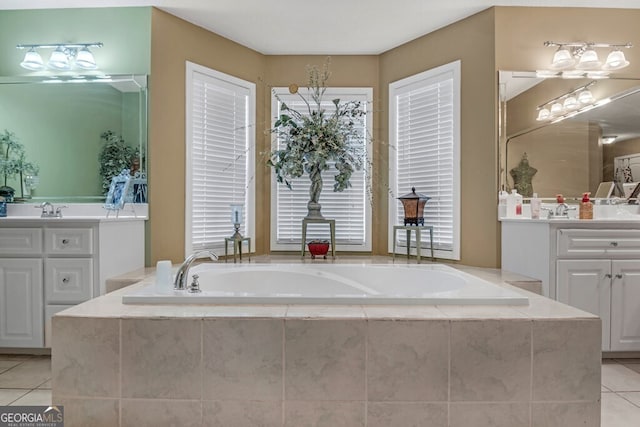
column 13, row 162
column 115, row 156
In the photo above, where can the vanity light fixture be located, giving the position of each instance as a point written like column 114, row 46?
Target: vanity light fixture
column 65, row 56
column 580, row 59
column 567, row 104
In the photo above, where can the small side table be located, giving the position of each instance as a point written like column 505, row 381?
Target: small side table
column 332, row 229
column 418, row 229
column 237, row 247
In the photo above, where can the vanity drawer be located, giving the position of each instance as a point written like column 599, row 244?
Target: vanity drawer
column 20, row 241
column 596, row 243
column 68, row 281
column 73, row 241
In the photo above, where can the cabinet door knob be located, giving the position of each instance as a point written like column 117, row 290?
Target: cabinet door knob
column 614, row 244
column 607, row 276
column 65, row 280
column 65, row 241
column 618, row 276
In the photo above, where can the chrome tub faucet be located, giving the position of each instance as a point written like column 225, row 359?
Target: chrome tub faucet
column 180, row 282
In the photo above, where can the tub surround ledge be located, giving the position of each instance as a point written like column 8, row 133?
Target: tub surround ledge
column 279, row 365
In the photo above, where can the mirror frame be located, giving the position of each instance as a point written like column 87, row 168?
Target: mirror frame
column 139, row 81
column 504, row 138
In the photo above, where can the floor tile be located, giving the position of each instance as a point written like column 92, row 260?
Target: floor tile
column 29, row 374
column 34, row 398
column 15, row 357
column 8, row 364
column 45, row 386
column 9, row 395
column 627, row 361
column 631, row 396
column 633, row 366
column 620, row 378
column 618, row 412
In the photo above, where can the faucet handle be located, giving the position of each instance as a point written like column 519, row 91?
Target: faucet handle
column 194, row 288
column 59, row 211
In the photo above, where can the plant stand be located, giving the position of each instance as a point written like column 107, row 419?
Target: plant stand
column 417, row 229
column 332, row 230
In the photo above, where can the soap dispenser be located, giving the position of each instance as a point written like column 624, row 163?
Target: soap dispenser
column 586, row 208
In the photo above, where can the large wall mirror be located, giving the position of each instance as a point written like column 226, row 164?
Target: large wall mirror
column 568, row 152
column 73, row 133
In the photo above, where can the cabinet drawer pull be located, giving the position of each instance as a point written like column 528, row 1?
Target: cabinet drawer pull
column 614, row 244
column 66, row 241
column 607, row 276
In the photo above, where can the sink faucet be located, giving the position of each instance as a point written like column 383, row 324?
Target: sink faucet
column 47, row 210
column 181, row 275
column 562, row 209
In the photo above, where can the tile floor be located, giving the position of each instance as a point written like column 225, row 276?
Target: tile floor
column 26, row 380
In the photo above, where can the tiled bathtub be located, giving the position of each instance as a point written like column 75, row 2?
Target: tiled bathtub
column 127, row 365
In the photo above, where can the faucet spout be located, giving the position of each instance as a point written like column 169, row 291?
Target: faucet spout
column 180, row 282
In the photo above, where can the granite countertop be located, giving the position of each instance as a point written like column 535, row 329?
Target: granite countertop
column 111, row 306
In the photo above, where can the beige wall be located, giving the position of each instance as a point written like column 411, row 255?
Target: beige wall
column 618, row 149
column 470, row 40
column 497, row 38
column 520, row 34
column 560, row 153
column 174, row 41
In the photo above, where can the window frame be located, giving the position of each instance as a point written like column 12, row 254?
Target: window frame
column 364, row 94
column 192, row 70
column 420, row 80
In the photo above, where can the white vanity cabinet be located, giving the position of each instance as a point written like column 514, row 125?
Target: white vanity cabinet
column 592, row 265
column 594, row 274
column 48, row 265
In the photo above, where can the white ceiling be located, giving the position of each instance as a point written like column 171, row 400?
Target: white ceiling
column 319, row 26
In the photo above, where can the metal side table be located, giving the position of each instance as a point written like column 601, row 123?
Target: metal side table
column 418, row 229
column 332, row 229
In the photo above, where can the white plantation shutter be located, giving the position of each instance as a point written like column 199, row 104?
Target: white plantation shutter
column 350, row 208
column 219, row 171
column 424, row 137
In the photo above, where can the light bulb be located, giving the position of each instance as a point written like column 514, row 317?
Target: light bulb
column 543, row 114
column 571, row 103
column 562, row 59
column 585, row 97
column 85, row 59
column 556, row 109
column 589, row 60
column 615, row 61
column 32, row 61
column 59, row 60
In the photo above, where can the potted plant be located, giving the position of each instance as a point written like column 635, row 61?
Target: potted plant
column 13, row 163
column 115, row 156
column 317, row 139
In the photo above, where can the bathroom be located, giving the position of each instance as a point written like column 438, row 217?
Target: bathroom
column 504, row 38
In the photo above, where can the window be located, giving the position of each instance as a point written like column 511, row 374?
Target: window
column 350, row 208
column 424, row 138
column 220, row 145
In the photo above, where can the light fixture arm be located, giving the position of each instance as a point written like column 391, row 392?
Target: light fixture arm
column 565, row 95
column 59, row 45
